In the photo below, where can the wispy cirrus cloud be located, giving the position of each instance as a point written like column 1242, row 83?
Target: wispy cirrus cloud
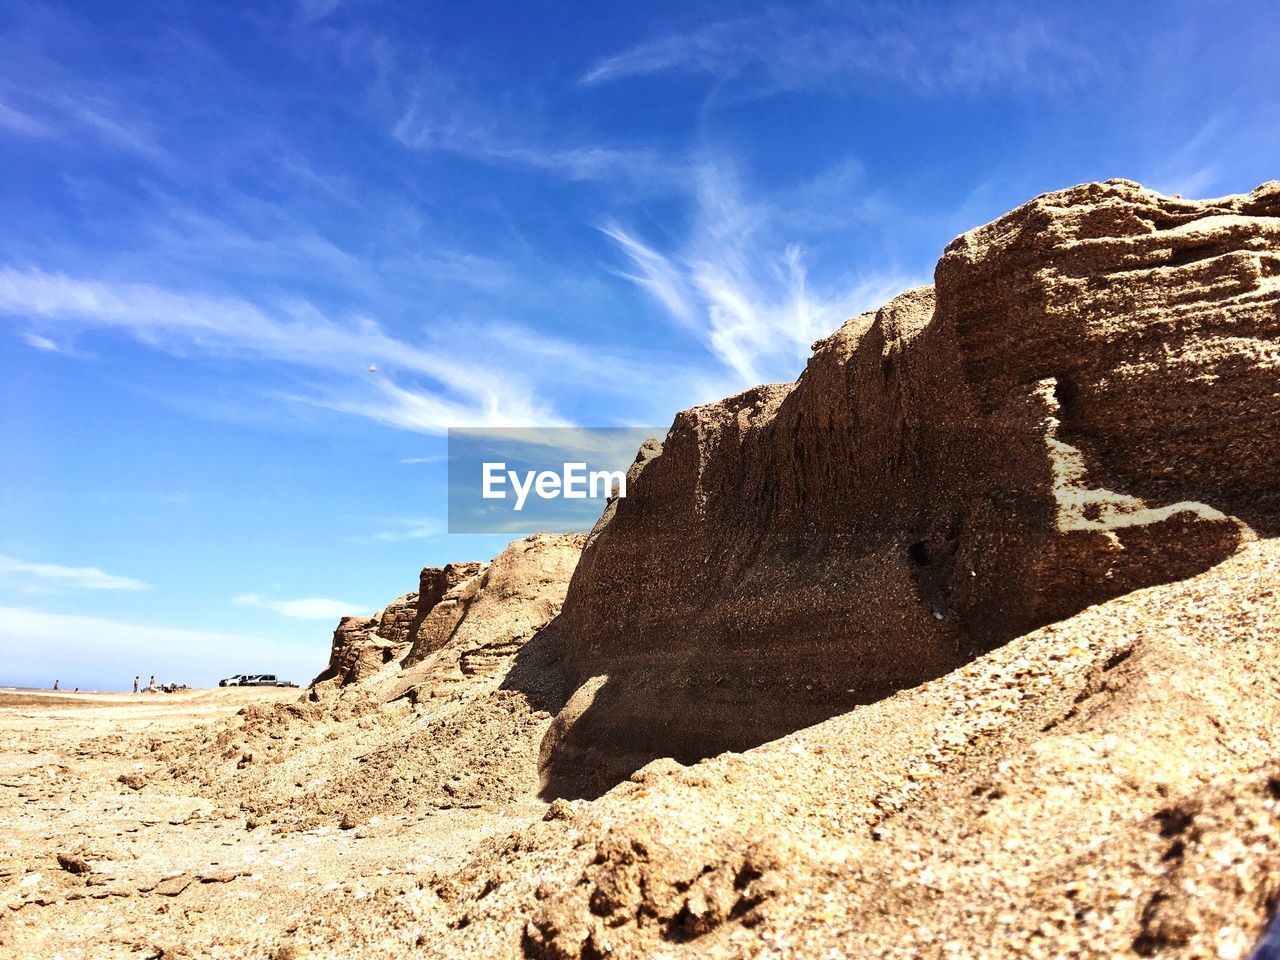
column 46, row 576
column 16, row 121
column 306, row 608
column 742, row 287
column 444, row 120
column 923, row 47
column 506, row 376
column 446, row 387
column 419, row 411
column 313, row 11
column 37, row 342
column 410, row 528
column 95, row 120
column 1196, row 168
column 131, row 135
column 654, row 273
column 476, row 137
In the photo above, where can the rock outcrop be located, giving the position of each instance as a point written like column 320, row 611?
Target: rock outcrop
column 482, row 621
column 1084, row 404
column 446, row 592
column 465, row 619
column 411, row 626
column 438, row 702
column 356, row 652
column 991, row 595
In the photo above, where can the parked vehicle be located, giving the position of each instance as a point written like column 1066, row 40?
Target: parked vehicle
column 255, row 680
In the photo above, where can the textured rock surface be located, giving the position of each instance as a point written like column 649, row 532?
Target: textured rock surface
column 446, row 657
column 408, row 628
column 438, row 715
column 1083, row 405
column 1105, row 786
column 465, row 619
column 397, row 621
column 486, row 615
column 356, row 652
column 445, row 591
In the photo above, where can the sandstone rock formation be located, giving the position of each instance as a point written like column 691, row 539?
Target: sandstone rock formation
column 412, row 626
column 445, row 593
column 482, row 621
column 962, row 645
column 357, row 651
column 437, row 702
column 465, row 619
column 1084, row 404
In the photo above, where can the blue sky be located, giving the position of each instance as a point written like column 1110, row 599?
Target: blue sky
column 215, row 217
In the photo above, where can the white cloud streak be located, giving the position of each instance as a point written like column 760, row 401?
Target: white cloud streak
column 404, row 409
column 410, row 528
column 924, row 48
column 654, row 273
column 37, row 342
column 16, row 121
column 313, row 11
column 53, row 575
column 458, row 392
column 445, row 122
column 746, row 293
column 306, row 608
column 63, row 115
column 128, row 136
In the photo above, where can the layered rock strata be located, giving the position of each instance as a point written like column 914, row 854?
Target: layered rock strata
column 1084, row 403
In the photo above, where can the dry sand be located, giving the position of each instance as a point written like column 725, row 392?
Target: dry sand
column 1103, row 786
column 92, row 867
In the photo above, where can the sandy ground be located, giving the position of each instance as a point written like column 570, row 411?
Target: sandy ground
column 92, row 867
column 1104, row 786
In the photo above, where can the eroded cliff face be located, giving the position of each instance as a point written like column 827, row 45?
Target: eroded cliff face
column 1085, row 403
column 465, row 619
column 409, row 627
column 439, row 701
column 1046, row 455
column 1105, row 786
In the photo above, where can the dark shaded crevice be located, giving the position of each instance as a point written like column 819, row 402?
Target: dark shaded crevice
column 539, row 674
column 1195, row 254
column 1268, row 947
column 1067, row 395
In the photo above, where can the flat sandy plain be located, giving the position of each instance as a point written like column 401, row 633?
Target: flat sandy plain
column 91, row 867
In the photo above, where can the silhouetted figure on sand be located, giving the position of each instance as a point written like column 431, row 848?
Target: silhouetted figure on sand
column 135, row 684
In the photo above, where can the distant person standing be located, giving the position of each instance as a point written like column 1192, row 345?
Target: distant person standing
column 135, row 684
column 152, row 685
column 55, row 684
